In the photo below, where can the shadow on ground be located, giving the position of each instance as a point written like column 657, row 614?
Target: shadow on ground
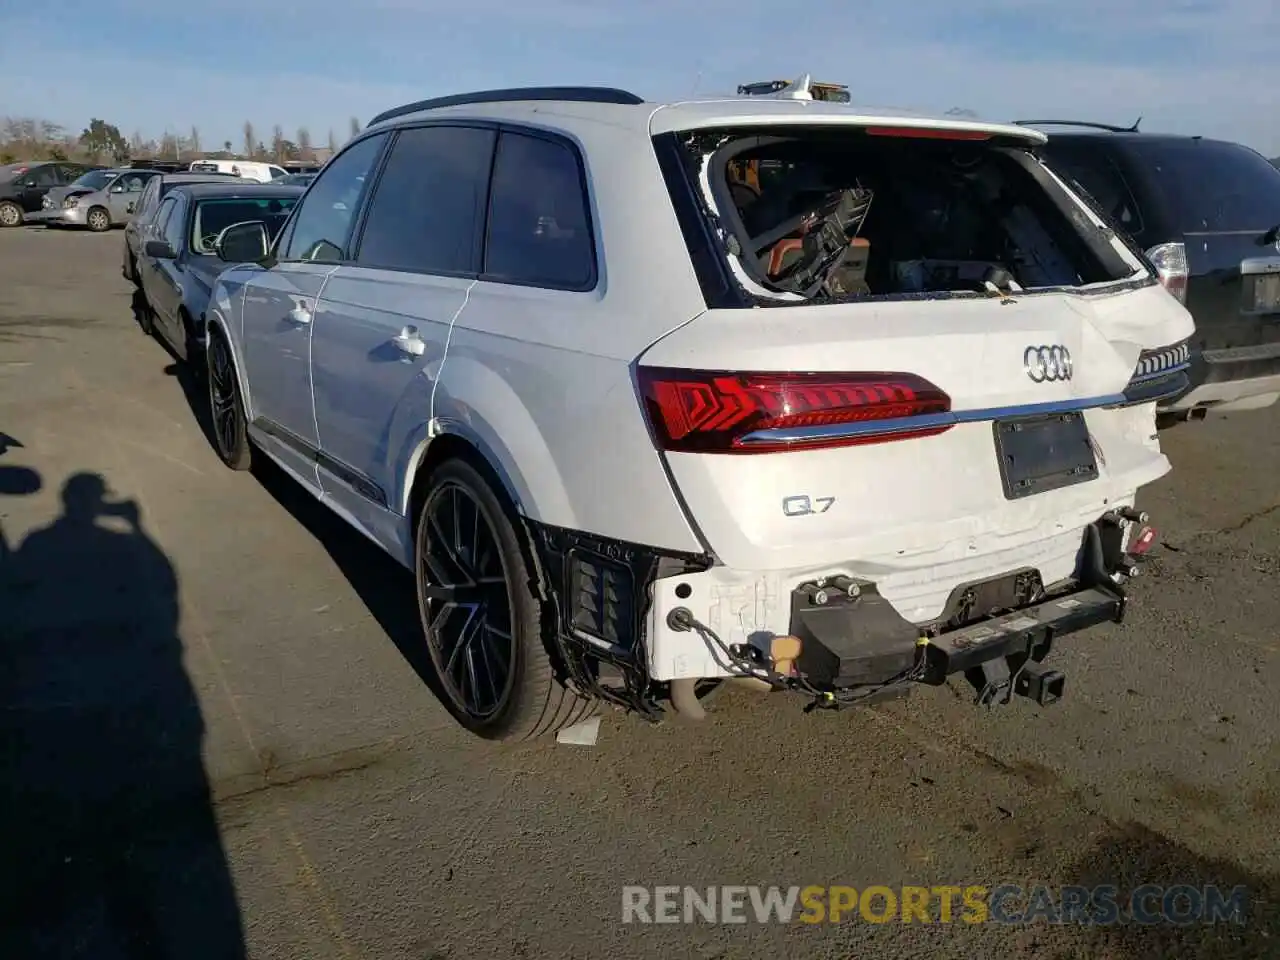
column 109, row 841
column 385, row 587
column 1131, row 856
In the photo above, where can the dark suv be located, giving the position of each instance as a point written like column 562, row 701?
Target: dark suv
column 23, row 186
column 1207, row 215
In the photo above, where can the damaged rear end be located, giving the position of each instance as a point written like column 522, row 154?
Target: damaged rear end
column 911, row 425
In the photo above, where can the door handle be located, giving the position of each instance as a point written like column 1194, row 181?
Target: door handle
column 409, row 343
column 300, row 315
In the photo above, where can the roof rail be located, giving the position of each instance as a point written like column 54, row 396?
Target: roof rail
column 1079, row 123
column 569, row 94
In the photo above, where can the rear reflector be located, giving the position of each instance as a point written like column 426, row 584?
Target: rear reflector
column 696, row 411
column 927, row 133
column 1170, row 261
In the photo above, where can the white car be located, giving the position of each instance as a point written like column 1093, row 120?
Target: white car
column 245, row 169
column 650, row 396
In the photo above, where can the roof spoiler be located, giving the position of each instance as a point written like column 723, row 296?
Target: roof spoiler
column 1079, row 123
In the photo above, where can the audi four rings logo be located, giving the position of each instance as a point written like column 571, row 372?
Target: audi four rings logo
column 1047, row 364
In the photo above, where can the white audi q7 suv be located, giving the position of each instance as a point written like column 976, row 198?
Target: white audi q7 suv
column 651, row 396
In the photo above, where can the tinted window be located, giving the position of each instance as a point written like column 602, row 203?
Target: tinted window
column 539, row 230
column 163, row 214
column 174, row 226
column 148, row 199
column 1211, row 185
column 319, row 231
column 1094, row 171
column 46, row 176
column 426, row 212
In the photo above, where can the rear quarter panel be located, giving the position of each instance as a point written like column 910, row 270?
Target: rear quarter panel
column 544, row 377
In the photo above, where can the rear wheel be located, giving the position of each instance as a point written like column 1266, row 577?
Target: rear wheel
column 98, row 220
column 230, row 429
column 10, row 214
column 146, row 316
column 480, row 617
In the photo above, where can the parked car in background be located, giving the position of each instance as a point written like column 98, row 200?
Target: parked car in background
column 248, row 169
column 164, row 166
column 604, row 405
column 179, row 263
column 138, row 229
column 296, row 179
column 1207, row 214
column 24, row 185
column 99, row 200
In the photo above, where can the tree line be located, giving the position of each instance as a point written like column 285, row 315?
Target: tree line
column 33, row 138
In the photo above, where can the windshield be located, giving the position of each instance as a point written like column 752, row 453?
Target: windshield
column 94, row 179
column 1210, row 185
column 216, row 214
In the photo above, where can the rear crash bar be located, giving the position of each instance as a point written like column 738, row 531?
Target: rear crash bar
column 1019, row 633
column 853, row 644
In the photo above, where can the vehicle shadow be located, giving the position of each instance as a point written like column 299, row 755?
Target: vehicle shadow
column 1130, row 856
column 110, row 844
column 384, row 586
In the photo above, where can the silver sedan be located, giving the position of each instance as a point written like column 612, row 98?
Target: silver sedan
column 99, row 200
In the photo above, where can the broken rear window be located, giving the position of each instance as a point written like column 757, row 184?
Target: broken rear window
column 821, row 215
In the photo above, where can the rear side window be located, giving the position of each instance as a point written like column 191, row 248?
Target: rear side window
column 1209, row 185
column 1095, row 172
column 163, row 215
column 428, row 205
column 539, row 229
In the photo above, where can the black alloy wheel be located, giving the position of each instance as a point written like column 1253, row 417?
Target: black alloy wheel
column 467, row 609
column 230, row 432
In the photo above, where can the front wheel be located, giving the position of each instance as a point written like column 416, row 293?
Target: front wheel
column 226, row 406
column 480, row 617
column 98, row 220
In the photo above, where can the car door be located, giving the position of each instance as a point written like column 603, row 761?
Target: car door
column 121, row 195
column 39, row 181
column 165, row 292
column 146, row 264
column 282, row 301
column 142, row 214
column 379, row 340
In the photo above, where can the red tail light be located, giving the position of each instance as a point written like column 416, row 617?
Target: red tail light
column 697, row 411
column 927, row 133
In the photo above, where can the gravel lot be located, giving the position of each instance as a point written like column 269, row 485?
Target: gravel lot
column 255, row 648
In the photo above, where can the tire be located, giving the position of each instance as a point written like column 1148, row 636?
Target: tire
column 131, row 273
column 195, row 358
column 98, row 220
column 525, row 701
column 10, row 214
column 226, row 407
column 146, row 317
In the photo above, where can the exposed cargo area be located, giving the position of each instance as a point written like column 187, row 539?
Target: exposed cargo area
column 857, row 212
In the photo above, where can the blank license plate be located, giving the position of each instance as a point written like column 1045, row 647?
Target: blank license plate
column 1043, row 453
column 1266, row 293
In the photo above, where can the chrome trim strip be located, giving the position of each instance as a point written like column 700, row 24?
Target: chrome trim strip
column 1256, row 266
column 870, row 428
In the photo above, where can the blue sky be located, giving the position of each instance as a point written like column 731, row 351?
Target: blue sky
column 1186, row 65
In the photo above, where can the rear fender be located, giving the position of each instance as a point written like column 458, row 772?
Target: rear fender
column 479, row 406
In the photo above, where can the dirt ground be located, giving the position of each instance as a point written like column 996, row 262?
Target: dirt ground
column 190, row 633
